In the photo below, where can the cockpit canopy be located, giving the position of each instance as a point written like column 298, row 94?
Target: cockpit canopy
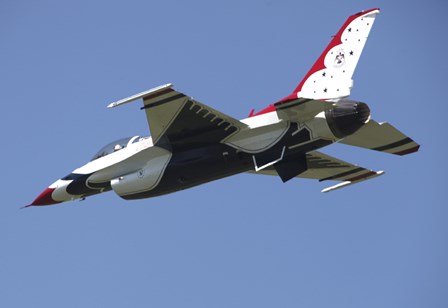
column 115, row 146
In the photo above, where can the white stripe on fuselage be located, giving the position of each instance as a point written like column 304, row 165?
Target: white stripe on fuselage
column 263, row 132
column 115, row 157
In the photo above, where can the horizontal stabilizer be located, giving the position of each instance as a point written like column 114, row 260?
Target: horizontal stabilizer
column 382, row 137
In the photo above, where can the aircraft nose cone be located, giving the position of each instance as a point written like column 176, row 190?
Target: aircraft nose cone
column 45, row 198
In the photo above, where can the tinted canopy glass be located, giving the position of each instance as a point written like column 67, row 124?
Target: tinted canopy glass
column 114, row 146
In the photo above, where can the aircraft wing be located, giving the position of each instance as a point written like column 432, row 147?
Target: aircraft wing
column 324, row 167
column 177, row 121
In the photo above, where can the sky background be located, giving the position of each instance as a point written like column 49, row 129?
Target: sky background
column 244, row 241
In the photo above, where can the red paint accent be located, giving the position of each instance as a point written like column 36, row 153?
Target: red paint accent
column 409, row 151
column 362, row 176
column 251, row 114
column 319, row 64
column 45, row 198
column 268, row 109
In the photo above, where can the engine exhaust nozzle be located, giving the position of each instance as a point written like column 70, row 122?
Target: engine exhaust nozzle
column 346, row 117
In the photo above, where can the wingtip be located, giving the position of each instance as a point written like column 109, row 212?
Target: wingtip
column 367, row 176
column 374, row 10
column 140, row 95
column 408, row 151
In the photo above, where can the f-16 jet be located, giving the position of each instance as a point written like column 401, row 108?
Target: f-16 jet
column 192, row 143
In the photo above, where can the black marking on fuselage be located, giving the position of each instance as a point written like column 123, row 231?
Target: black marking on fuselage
column 302, row 136
column 287, row 105
column 394, row 145
column 72, row 176
column 80, row 187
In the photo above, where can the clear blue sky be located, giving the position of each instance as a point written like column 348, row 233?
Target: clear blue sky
column 245, row 241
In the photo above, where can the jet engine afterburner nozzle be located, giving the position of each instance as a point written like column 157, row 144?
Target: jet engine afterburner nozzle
column 346, row 117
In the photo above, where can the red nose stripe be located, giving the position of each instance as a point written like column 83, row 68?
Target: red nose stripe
column 45, row 198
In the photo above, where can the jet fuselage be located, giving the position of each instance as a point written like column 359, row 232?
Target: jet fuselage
column 192, row 143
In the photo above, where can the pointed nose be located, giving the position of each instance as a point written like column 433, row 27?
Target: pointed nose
column 45, row 198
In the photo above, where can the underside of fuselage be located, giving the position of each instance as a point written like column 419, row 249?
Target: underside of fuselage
column 197, row 166
column 188, row 170
column 192, row 167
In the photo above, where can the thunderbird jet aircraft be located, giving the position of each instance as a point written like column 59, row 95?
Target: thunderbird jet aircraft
column 192, row 143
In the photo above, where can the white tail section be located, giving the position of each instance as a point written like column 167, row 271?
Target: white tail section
column 331, row 75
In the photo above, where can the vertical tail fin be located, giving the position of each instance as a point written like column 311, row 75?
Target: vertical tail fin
column 331, row 76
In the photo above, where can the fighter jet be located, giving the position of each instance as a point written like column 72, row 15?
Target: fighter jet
column 192, row 143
